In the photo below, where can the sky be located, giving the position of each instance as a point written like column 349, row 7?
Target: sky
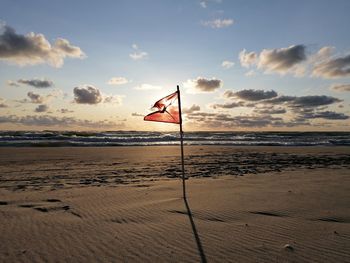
column 241, row 65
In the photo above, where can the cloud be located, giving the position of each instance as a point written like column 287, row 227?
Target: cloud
column 192, row 109
column 280, row 100
column 333, row 68
column 281, row 60
column 253, row 95
column 218, row 23
column 329, row 115
column 12, row 83
column 36, row 83
column 203, row 4
column 227, row 64
column 267, row 109
column 35, row 98
column 2, row 103
column 64, row 111
column 42, row 108
column 138, row 54
column 229, row 105
column 201, row 85
column 59, row 122
column 270, row 111
column 323, row 54
column 313, row 101
column 147, row 87
column 247, row 58
column 117, row 81
column 341, row 87
column 87, row 94
column 250, row 73
column 113, row 99
column 228, row 121
column 32, row 49
column 135, row 114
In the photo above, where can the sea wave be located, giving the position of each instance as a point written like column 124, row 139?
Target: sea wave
column 135, row 138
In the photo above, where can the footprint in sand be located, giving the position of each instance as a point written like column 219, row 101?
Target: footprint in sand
column 53, row 208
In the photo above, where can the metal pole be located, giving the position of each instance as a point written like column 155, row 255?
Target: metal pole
column 182, row 146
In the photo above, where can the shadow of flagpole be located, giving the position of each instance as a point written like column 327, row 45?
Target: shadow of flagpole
column 195, row 233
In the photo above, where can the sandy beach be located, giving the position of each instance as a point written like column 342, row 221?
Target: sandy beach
column 124, row 204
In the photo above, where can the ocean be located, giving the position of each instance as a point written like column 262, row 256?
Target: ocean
column 137, row 138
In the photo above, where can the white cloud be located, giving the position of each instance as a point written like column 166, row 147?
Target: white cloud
column 250, row 73
column 113, row 99
column 138, row 54
column 117, row 81
column 227, row 64
column 218, row 23
column 247, row 58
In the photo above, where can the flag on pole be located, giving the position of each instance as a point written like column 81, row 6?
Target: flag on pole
column 168, row 110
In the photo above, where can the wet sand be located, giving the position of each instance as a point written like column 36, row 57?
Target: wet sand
column 124, row 204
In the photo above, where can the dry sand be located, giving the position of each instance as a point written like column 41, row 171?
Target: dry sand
column 121, row 205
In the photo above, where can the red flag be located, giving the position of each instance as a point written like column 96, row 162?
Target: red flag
column 168, row 110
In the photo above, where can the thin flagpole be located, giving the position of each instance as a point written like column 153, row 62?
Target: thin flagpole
column 182, row 146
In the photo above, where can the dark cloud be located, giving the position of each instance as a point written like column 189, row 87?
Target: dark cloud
column 208, row 85
column 270, row 111
column 228, row 121
column 59, row 122
column 229, row 94
column 135, row 114
column 87, row 95
column 34, row 48
column 280, row 100
column 65, row 111
column 255, row 95
column 192, row 109
column 202, row 85
column 329, row 115
column 42, row 108
column 35, row 98
column 313, row 101
column 283, row 59
column 341, row 87
column 333, row 68
column 36, row 83
column 229, row 105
